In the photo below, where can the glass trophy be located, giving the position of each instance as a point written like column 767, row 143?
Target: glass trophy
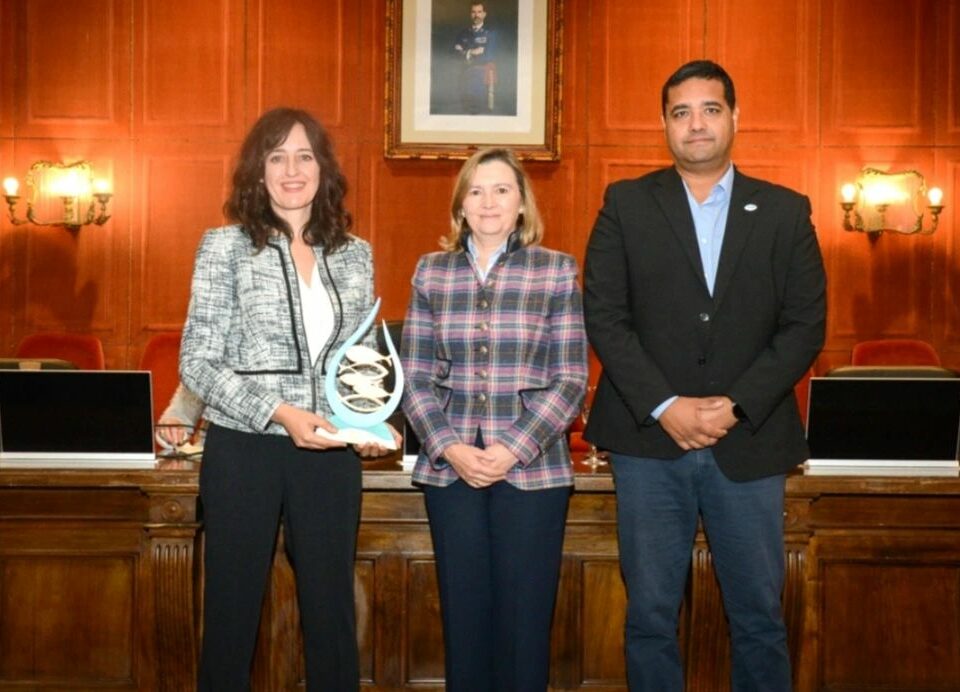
column 354, row 388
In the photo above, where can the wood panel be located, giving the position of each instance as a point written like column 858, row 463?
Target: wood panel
column 72, row 73
column 777, row 92
column 182, row 188
column 858, row 650
column 188, row 68
column 877, row 83
column 876, row 286
column 634, row 47
column 136, row 82
column 948, row 73
column 280, row 63
column 38, row 633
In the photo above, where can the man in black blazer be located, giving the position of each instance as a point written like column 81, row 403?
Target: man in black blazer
column 704, row 295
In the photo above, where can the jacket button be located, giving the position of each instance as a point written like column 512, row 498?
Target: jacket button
column 484, row 304
column 704, row 317
column 482, row 374
column 701, row 361
column 483, row 326
column 481, row 398
column 483, row 350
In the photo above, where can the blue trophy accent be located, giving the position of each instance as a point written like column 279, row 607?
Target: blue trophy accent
column 354, row 425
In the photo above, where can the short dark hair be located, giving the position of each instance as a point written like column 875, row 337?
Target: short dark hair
column 249, row 201
column 699, row 69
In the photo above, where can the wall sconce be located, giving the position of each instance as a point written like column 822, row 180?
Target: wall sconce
column 58, row 195
column 880, row 201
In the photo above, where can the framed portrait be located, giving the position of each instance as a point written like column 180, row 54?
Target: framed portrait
column 462, row 75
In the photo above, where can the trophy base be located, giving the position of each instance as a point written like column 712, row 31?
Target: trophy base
column 377, row 434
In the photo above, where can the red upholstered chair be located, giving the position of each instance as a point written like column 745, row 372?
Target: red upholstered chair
column 83, row 350
column 894, row 352
column 161, row 357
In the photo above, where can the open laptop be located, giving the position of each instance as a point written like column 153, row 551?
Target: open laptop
column 901, row 425
column 76, row 419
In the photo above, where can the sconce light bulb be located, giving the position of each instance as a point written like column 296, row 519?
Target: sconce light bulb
column 935, row 195
column 848, row 192
column 101, row 186
column 11, row 186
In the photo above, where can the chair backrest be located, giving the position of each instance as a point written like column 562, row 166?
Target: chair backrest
column 161, row 356
column 83, row 350
column 894, row 352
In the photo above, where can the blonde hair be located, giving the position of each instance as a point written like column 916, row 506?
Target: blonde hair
column 529, row 223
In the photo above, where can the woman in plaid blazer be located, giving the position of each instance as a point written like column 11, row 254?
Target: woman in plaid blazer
column 495, row 358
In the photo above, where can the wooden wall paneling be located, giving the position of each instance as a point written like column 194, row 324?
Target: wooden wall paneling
column 575, row 70
column 11, row 263
column 78, row 280
column 776, row 80
column 946, row 315
column 947, row 67
column 7, row 67
column 72, row 68
column 559, row 189
column 634, row 47
column 878, row 79
column 876, row 286
column 188, row 69
column 305, row 55
column 409, row 202
column 180, row 190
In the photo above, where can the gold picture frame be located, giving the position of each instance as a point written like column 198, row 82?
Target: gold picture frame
column 445, row 102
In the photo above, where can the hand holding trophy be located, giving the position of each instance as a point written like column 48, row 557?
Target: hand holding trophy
column 355, row 391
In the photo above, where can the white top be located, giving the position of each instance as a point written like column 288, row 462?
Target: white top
column 317, row 313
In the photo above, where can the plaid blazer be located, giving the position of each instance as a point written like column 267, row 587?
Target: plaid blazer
column 507, row 356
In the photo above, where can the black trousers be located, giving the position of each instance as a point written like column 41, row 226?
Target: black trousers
column 247, row 482
column 498, row 552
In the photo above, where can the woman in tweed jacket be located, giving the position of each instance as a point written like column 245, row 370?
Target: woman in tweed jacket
column 272, row 297
column 495, row 358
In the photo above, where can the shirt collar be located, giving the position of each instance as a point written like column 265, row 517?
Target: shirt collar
column 721, row 189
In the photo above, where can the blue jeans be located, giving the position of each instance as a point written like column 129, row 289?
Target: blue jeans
column 658, row 502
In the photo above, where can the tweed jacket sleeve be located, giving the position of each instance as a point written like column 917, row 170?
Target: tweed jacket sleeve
column 244, row 347
column 212, row 312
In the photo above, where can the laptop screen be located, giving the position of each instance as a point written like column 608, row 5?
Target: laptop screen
column 884, row 419
column 71, row 413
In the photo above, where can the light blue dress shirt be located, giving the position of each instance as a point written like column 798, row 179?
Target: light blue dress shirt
column 495, row 255
column 709, row 223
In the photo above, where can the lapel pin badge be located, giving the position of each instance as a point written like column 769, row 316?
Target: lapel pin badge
column 750, row 207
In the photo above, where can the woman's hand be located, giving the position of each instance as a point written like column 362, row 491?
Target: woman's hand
column 503, row 459
column 173, row 432
column 372, row 449
column 301, row 425
column 477, row 467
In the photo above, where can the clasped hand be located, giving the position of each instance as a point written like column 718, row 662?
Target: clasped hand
column 698, row 422
column 477, row 467
column 302, row 426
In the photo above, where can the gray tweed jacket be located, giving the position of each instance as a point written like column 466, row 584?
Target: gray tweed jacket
column 244, row 348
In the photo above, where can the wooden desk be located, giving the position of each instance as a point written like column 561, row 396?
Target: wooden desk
column 99, row 584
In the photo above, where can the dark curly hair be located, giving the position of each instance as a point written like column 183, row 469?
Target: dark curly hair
column 249, row 202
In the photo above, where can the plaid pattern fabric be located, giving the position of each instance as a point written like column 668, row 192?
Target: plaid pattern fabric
column 507, row 356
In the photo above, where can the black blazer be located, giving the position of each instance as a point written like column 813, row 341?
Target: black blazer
column 658, row 332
